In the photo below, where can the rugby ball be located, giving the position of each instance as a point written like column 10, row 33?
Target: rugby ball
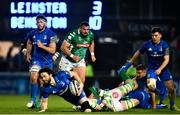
column 73, row 86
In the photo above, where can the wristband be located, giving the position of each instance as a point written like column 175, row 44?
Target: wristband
column 92, row 53
column 71, row 55
column 57, row 54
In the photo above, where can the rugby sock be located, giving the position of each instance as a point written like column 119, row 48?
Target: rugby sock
column 171, row 103
column 126, row 88
column 34, row 90
column 129, row 103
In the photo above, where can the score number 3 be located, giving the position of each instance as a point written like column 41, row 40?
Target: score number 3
column 95, row 21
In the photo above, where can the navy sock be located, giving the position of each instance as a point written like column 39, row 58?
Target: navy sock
column 34, row 90
column 171, row 103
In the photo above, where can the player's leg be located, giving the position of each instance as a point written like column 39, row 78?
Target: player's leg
column 81, row 72
column 124, row 104
column 65, row 64
column 167, row 78
column 34, row 85
column 80, row 68
column 171, row 92
column 122, row 90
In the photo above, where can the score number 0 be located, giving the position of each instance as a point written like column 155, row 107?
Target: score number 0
column 95, row 20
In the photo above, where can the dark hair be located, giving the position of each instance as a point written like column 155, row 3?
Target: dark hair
column 156, row 29
column 40, row 16
column 84, row 23
column 141, row 67
column 48, row 70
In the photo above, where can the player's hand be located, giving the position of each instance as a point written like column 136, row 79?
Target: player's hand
column 76, row 58
column 28, row 57
column 39, row 44
column 93, row 58
column 158, row 71
column 80, row 88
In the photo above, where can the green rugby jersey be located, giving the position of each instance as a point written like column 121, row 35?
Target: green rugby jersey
column 75, row 38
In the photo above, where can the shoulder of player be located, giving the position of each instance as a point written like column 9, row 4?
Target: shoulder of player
column 164, row 43
column 73, row 32
column 61, row 74
column 90, row 32
column 50, row 32
column 32, row 32
column 146, row 43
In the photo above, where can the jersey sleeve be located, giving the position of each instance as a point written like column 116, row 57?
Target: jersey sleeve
column 92, row 36
column 53, row 37
column 44, row 93
column 151, row 74
column 143, row 48
column 69, row 37
column 166, row 48
column 29, row 36
column 63, row 74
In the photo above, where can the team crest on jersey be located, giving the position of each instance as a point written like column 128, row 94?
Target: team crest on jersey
column 34, row 37
column 150, row 49
column 160, row 49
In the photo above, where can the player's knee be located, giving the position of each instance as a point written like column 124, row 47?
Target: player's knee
column 171, row 90
column 86, row 107
column 33, row 79
column 151, row 83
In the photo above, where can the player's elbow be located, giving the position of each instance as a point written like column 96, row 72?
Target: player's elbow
column 53, row 51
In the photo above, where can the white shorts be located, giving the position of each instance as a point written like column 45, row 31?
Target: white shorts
column 67, row 65
column 35, row 68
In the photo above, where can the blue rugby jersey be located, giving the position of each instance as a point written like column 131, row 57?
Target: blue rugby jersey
column 45, row 37
column 160, row 87
column 155, row 53
column 61, row 88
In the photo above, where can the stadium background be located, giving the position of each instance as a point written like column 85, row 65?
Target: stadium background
column 120, row 27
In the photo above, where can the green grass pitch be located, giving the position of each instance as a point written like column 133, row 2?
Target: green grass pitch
column 14, row 104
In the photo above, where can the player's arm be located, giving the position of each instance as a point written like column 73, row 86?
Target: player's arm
column 44, row 104
column 153, row 95
column 135, row 56
column 77, row 78
column 135, row 84
column 163, row 65
column 58, row 50
column 51, row 48
column 91, row 49
column 65, row 47
column 23, row 47
column 29, row 48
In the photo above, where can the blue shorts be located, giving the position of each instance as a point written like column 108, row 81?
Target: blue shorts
column 164, row 76
column 68, row 96
column 35, row 66
column 142, row 96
